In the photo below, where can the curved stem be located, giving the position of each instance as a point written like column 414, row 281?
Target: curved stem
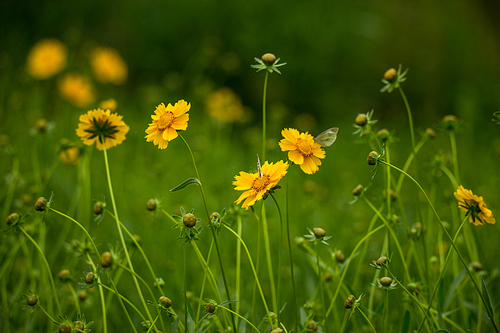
column 46, row 266
column 123, row 305
column 367, row 320
column 47, row 314
column 153, row 324
column 410, row 118
column 235, row 313
column 125, row 299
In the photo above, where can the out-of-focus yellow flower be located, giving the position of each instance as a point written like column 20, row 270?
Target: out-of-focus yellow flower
column 108, row 66
column 46, row 59
column 474, row 206
column 225, row 106
column 98, row 124
column 70, row 155
column 109, row 104
column 256, row 186
column 166, row 122
column 302, row 149
column 77, row 89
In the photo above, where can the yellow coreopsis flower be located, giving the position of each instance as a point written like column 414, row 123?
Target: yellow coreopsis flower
column 167, row 120
column 474, row 206
column 108, row 65
column 256, row 186
column 77, row 89
column 224, row 105
column 109, row 104
column 98, row 124
column 302, row 149
column 46, row 59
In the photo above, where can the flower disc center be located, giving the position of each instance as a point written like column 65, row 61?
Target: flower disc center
column 304, row 147
column 259, row 184
column 166, row 120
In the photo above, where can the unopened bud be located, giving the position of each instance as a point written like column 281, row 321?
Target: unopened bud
column 349, row 302
column 340, row 256
column 319, row 233
column 361, row 119
column 106, row 259
column 64, row 328
column 385, row 281
column 383, row 135
column 89, row 278
column 476, row 265
column 82, row 295
column 12, row 218
column 430, row 133
column 41, row 125
column 381, row 260
column 327, row 277
column 312, row 325
column 210, row 308
column 189, row 220
column 64, row 275
column 269, row 59
column 79, row 325
column 277, row 330
column 372, row 158
column 151, row 205
column 98, row 208
column 390, row 74
column 165, row 301
column 41, row 204
column 357, row 190
column 31, row 300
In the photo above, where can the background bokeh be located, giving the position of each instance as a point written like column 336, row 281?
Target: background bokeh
column 336, row 53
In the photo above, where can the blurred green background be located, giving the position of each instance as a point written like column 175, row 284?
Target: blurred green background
column 336, row 53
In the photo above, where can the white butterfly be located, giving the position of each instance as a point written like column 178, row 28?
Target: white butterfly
column 259, row 169
column 328, row 137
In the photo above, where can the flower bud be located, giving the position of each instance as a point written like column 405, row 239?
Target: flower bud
column 64, row 275
column 151, row 205
column 189, row 220
column 476, row 265
column 413, row 288
column 372, row 158
column 319, row 233
column 385, row 281
column 349, row 302
column 214, row 214
column 312, row 325
column 382, row 260
column 82, row 295
column 165, row 301
column 340, row 256
column 210, row 308
column 79, row 325
column 450, row 119
column 277, row 330
column 361, row 119
column 98, row 208
column 269, row 59
column 390, row 74
column 430, row 133
column 327, row 277
column 12, row 218
column 357, row 190
column 64, row 328
column 41, row 125
column 41, row 204
column 31, row 300
column 383, row 135
column 392, row 194
column 106, row 259
column 89, row 278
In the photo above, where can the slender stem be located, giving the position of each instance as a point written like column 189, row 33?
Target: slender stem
column 490, row 315
column 101, row 293
column 408, row 163
column 269, row 261
column 264, row 95
column 202, row 291
column 253, row 270
column 297, row 315
column 48, row 269
column 153, row 324
column 185, row 286
column 410, row 118
column 238, row 263
column 117, row 219
column 75, row 298
column 123, row 305
column 125, row 299
column 367, row 320
column 47, row 314
column 388, row 187
column 235, row 313
column 385, row 317
column 346, row 268
column 320, row 288
column 212, row 229
column 453, row 143
column 278, row 302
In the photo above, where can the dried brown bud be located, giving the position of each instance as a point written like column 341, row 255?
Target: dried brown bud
column 390, row 74
column 319, row 233
column 41, row 204
column 269, row 59
column 361, row 119
column 189, row 220
column 106, row 259
column 151, row 205
column 349, row 302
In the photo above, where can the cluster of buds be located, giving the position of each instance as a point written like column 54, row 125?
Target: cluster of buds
column 80, row 325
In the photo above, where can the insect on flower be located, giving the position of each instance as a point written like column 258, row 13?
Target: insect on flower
column 328, row 137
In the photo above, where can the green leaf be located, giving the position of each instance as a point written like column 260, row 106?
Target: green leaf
column 406, row 322
column 187, row 182
column 487, row 298
column 189, row 308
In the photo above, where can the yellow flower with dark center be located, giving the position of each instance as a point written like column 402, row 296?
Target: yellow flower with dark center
column 302, row 149
column 77, row 89
column 474, row 206
column 46, row 59
column 98, row 124
column 167, row 120
column 256, row 187
column 108, row 65
column 224, row 105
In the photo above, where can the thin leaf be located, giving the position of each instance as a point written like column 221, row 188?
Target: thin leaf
column 187, row 182
column 487, row 298
column 189, row 308
column 406, row 322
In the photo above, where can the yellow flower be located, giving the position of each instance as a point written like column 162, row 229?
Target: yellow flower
column 474, row 206
column 224, row 105
column 108, row 65
column 97, row 123
column 70, row 155
column 109, row 104
column 302, row 149
column 255, row 188
column 46, row 59
column 166, row 122
column 77, row 89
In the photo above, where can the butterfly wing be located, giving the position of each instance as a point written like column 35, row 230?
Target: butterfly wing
column 328, row 137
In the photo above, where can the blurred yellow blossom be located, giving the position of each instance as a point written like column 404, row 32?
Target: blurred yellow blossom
column 109, row 104
column 70, row 155
column 224, row 105
column 77, row 89
column 46, row 59
column 108, row 65
column 98, row 124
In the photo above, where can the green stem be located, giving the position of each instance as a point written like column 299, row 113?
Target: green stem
column 101, row 293
column 125, row 299
column 264, row 95
column 202, row 292
column 267, row 247
column 453, row 143
column 297, row 315
column 47, row 314
column 321, row 291
column 235, row 313
column 410, row 118
column 153, row 324
column 117, row 219
column 75, row 298
column 212, row 229
column 123, row 305
column 278, row 302
column 238, row 263
column 408, row 163
column 385, row 317
column 367, row 320
column 490, row 315
column 185, row 287
column 46, row 266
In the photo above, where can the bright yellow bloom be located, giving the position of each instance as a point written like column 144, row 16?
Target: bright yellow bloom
column 302, row 149
column 97, row 123
column 109, row 104
column 108, row 65
column 77, row 89
column 224, row 105
column 46, row 59
column 256, row 187
column 474, row 206
column 166, row 122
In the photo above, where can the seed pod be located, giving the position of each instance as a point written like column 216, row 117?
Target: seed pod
column 385, row 281
column 210, row 307
column 349, row 302
column 31, row 300
column 41, row 204
column 106, row 259
column 361, row 119
column 64, row 328
column 89, row 278
column 269, row 59
column 319, row 233
column 189, row 220
column 151, row 205
column 165, row 301
column 390, row 74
